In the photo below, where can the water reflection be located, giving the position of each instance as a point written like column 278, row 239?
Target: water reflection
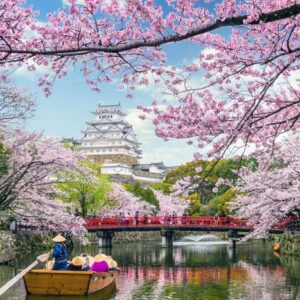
column 150, row 272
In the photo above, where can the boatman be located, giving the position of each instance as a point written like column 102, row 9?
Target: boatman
column 60, row 253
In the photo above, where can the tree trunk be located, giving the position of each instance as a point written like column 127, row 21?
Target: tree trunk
column 83, row 206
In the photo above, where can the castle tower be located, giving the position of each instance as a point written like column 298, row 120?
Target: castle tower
column 110, row 139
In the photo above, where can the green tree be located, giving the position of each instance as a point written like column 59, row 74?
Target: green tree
column 4, row 157
column 204, row 200
column 145, row 194
column 219, row 204
column 86, row 188
column 165, row 187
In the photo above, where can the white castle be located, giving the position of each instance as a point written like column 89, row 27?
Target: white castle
column 110, row 140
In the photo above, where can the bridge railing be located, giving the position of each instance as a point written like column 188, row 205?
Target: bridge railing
column 162, row 221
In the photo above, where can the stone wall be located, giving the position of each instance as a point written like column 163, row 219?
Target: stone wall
column 7, row 246
column 34, row 242
column 28, row 242
column 114, row 158
column 7, row 240
column 290, row 244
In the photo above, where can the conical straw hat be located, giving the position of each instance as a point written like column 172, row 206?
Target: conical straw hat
column 101, row 257
column 77, row 261
column 113, row 264
column 59, row 239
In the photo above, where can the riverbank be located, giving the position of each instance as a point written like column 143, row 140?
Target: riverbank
column 290, row 244
column 12, row 243
column 7, row 247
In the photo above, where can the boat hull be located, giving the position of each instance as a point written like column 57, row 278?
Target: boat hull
column 48, row 282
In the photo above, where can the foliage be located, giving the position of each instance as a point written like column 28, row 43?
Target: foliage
column 220, row 205
column 206, row 184
column 169, row 204
column 85, row 187
column 248, row 92
column 195, row 207
column 163, row 186
column 124, row 202
column 271, row 194
column 29, row 164
column 4, row 159
column 27, row 186
column 145, row 194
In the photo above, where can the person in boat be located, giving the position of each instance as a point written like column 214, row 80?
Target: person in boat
column 77, row 264
column 88, row 260
column 100, row 263
column 60, row 253
column 113, row 265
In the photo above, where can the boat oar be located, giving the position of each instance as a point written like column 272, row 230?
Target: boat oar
column 40, row 259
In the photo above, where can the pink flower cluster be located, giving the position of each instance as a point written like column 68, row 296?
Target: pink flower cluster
column 271, row 193
column 28, row 188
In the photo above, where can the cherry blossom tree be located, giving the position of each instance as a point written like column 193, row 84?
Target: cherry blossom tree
column 122, row 201
column 171, row 203
column 27, row 184
column 15, row 107
column 85, row 187
column 209, row 185
column 272, row 192
column 249, row 92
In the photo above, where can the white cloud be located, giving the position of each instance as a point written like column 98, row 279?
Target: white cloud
column 79, row 2
column 38, row 70
column 172, row 153
column 121, row 3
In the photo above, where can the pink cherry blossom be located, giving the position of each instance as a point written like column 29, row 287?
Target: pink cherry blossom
column 27, row 187
column 271, row 193
column 248, row 93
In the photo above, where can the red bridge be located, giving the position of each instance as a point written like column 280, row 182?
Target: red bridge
column 152, row 222
column 148, row 223
column 105, row 227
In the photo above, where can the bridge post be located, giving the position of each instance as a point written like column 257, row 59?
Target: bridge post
column 167, row 238
column 105, row 238
column 232, row 243
column 232, row 235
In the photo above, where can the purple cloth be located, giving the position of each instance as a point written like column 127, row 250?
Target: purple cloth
column 99, row 266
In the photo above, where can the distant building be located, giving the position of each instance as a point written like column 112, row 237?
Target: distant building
column 156, row 168
column 110, row 140
column 71, row 141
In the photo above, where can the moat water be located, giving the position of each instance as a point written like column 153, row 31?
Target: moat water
column 195, row 272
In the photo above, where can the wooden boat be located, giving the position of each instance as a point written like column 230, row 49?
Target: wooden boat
column 48, row 282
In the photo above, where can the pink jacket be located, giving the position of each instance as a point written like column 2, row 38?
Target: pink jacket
column 100, row 266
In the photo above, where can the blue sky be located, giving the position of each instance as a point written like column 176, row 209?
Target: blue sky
column 65, row 112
